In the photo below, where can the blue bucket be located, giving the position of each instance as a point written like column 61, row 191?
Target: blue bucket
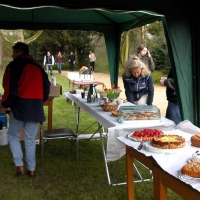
column 3, row 118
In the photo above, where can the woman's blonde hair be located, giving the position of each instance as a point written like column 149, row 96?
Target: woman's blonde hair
column 136, row 62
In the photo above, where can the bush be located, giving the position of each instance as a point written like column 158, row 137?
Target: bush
column 156, row 74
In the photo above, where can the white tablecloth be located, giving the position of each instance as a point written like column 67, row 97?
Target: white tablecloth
column 173, row 162
column 117, row 140
column 115, row 149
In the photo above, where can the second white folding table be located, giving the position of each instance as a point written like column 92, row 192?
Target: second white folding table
column 115, row 149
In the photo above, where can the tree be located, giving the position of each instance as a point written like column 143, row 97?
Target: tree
column 13, row 36
column 151, row 34
column 158, row 45
column 130, row 40
column 80, row 42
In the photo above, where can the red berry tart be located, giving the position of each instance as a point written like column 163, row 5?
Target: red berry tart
column 146, row 134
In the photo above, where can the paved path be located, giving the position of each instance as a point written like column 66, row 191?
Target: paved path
column 159, row 92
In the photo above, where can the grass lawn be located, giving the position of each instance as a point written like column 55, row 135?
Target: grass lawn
column 61, row 178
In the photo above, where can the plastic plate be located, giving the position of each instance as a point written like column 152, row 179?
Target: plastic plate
column 131, row 138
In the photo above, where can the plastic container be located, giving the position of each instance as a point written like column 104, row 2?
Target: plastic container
column 3, row 118
column 3, row 137
column 129, row 114
column 53, row 81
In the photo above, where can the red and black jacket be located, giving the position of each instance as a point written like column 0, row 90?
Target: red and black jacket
column 26, row 87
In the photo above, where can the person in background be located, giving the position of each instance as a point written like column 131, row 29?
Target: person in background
column 138, row 83
column 26, row 86
column 92, row 58
column 173, row 110
column 49, row 62
column 71, row 59
column 145, row 56
column 59, row 61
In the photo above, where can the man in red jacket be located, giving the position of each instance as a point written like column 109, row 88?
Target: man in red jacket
column 26, row 87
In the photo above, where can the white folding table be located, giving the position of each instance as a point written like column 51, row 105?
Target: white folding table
column 115, row 149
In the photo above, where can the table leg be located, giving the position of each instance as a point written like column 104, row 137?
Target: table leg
column 104, row 152
column 69, row 85
column 160, row 191
column 77, row 116
column 130, row 177
column 184, row 190
column 50, row 115
column 49, row 103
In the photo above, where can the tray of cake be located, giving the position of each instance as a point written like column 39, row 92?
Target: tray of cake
column 156, row 141
column 129, row 114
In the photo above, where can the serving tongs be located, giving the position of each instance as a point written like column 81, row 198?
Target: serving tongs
column 141, row 143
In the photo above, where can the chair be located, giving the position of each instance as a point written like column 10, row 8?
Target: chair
column 62, row 133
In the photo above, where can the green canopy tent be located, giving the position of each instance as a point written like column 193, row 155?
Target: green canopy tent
column 112, row 23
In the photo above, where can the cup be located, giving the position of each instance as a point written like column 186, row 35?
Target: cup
column 83, row 95
column 120, row 101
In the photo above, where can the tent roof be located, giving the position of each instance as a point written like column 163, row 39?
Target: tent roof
column 180, row 23
column 158, row 6
column 51, row 17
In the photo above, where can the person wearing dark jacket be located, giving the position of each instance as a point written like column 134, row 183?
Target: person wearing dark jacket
column 173, row 110
column 138, row 83
column 145, row 56
column 71, row 59
column 26, row 86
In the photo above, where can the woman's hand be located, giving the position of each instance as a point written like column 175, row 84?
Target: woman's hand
column 7, row 110
column 162, row 80
column 148, row 53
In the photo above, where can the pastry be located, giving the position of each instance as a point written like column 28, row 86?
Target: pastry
column 168, row 142
column 149, row 114
column 131, row 118
column 195, row 140
column 153, row 118
column 146, row 134
column 115, row 113
column 198, row 134
column 140, row 115
column 191, row 169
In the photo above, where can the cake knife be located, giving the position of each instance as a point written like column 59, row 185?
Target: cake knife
column 140, row 145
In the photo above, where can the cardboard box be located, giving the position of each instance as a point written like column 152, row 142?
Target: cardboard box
column 55, row 91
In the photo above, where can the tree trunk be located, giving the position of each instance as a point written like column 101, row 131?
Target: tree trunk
column 1, row 51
